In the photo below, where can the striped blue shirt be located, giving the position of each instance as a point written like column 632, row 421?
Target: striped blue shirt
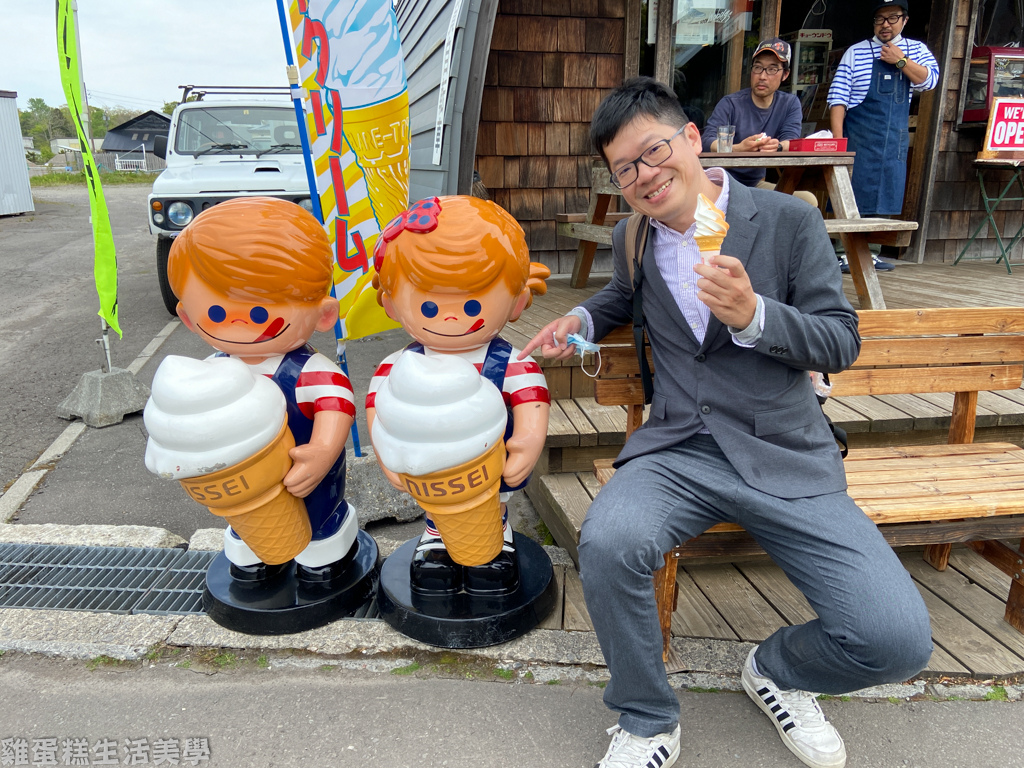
column 853, row 77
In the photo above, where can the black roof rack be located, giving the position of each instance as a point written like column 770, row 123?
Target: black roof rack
column 199, row 91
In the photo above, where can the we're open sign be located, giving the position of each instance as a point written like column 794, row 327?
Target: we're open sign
column 1005, row 126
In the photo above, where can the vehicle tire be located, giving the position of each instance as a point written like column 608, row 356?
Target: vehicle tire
column 163, row 251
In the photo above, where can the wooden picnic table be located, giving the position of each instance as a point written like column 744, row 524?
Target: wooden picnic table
column 795, row 169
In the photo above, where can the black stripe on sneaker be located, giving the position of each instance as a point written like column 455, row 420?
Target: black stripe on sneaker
column 776, row 708
column 769, row 700
column 762, row 692
column 789, row 725
column 782, row 716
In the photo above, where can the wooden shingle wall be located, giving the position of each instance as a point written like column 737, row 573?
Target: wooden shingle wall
column 957, row 209
column 551, row 62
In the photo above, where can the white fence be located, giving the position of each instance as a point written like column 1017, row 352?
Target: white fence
column 132, row 161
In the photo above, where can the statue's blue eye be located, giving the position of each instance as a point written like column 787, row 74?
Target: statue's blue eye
column 216, row 313
column 472, row 307
column 258, row 315
column 429, row 309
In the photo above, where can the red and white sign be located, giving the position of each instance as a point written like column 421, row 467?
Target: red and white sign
column 1005, row 126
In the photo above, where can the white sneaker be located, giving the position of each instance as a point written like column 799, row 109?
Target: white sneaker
column 798, row 718
column 629, row 751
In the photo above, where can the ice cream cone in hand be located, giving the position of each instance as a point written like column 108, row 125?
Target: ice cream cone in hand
column 711, row 229
column 438, row 425
column 222, row 432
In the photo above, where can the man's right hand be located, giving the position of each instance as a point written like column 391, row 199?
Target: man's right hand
column 552, row 339
column 754, row 143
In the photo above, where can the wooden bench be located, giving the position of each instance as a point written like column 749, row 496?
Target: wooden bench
column 595, row 226
column 929, row 495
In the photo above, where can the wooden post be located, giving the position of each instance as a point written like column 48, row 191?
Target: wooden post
column 771, row 11
column 665, row 594
column 665, row 45
column 631, row 67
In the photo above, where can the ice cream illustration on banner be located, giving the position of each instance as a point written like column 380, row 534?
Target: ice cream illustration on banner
column 222, row 432
column 711, row 229
column 439, row 427
column 366, row 63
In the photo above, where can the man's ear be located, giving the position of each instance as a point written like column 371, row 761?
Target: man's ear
column 521, row 302
column 692, row 135
column 785, row 75
column 328, row 314
column 185, row 319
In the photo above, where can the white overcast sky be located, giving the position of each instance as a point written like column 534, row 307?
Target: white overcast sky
column 137, row 52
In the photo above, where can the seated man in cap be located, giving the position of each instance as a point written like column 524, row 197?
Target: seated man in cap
column 765, row 117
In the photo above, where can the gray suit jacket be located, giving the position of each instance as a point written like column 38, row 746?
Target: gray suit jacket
column 758, row 403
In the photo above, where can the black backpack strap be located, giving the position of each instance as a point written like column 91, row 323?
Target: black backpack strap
column 636, row 242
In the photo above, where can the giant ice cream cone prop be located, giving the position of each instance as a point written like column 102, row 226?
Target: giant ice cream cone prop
column 463, row 503
column 711, row 229
column 251, row 496
column 379, row 136
column 222, row 432
column 439, row 426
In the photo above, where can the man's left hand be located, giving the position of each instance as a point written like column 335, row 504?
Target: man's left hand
column 725, row 289
column 891, row 53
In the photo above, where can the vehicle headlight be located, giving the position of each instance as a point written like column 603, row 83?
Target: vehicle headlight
column 158, row 218
column 307, row 204
column 180, row 213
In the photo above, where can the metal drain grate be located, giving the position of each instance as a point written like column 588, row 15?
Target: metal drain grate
column 110, row 579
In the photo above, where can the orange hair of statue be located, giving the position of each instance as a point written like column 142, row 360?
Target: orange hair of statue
column 259, row 249
column 475, row 244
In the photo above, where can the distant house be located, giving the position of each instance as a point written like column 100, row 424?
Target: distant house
column 141, row 130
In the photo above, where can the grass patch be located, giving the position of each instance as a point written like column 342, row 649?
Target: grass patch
column 504, row 674
column 61, row 179
column 528, row 676
column 185, row 664
column 407, row 670
column 598, row 683
column 998, row 693
column 544, row 535
column 263, row 662
column 845, row 698
column 225, row 660
column 698, row 689
column 893, row 700
column 554, row 682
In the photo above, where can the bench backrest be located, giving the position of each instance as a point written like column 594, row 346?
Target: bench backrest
column 904, row 351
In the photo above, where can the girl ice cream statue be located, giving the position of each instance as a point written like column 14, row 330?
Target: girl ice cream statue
column 457, row 421
column 253, row 276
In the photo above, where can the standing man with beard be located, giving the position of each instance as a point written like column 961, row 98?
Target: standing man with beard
column 869, row 104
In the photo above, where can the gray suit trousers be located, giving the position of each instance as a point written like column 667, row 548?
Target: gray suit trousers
column 872, row 624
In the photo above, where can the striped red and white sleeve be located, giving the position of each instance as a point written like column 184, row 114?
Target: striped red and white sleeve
column 323, row 387
column 382, row 372
column 524, row 382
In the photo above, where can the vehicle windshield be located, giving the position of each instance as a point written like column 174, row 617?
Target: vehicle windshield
column 237, row 130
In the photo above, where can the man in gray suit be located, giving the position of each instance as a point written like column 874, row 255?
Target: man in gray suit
column 735, row 434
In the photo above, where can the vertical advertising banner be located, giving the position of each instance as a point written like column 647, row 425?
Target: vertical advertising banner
column 105, row 258
column 348, row 76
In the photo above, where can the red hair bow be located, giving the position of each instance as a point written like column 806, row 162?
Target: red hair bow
column 421, row 218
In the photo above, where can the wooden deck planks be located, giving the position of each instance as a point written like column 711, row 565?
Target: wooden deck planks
column 695, row 616
column 575, row 613
column 747, row 613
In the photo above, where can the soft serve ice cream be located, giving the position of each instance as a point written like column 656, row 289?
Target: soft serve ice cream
column 222, row 432
column 711, row 228
column 205, row 415
column 439, row 426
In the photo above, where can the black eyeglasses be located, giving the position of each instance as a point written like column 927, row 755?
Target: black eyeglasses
column 653, row 156
column 892, row 20
column 757, row 69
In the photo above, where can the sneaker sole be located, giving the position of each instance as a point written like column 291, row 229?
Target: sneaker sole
column 752, row 693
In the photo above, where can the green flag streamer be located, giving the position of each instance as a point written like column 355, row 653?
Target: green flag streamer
column 105, row 262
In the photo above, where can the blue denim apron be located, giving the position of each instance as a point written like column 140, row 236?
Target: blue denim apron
column 877, row 129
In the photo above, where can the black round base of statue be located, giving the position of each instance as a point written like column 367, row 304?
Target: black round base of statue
column 283, row 604
column 464, row 620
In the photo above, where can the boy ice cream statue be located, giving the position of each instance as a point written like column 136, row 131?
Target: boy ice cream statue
column 454, row 418
column 253, row 276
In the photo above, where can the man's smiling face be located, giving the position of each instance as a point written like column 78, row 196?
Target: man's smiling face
column 669, row 191
column 244, row 328
column 453, row 320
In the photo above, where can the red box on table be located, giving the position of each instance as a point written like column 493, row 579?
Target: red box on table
column 817, row 145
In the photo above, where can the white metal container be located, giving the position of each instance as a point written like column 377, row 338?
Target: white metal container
column 15, row 191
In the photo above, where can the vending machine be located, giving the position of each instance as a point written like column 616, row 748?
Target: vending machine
column 810, row 58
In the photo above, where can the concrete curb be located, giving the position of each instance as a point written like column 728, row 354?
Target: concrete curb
column 90, row 535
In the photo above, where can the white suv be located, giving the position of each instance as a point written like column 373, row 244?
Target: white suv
column 218, row 150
